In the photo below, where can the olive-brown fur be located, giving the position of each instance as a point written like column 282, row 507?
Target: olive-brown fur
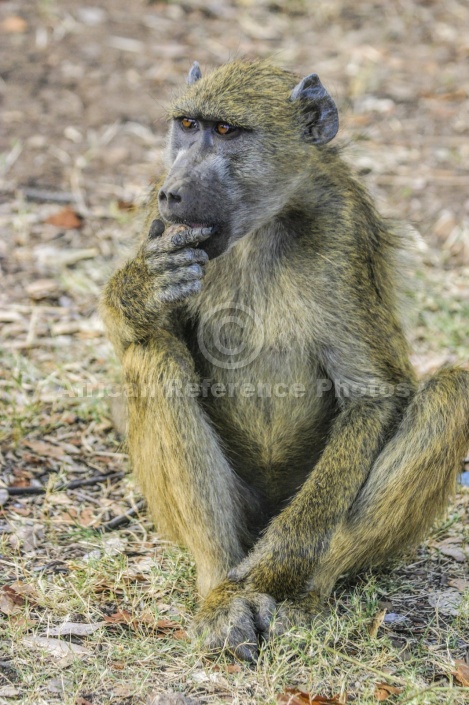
column 277, row 496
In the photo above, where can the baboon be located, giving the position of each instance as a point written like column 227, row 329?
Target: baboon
column 276, row 426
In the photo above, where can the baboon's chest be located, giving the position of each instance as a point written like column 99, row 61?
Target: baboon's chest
column 260, row 382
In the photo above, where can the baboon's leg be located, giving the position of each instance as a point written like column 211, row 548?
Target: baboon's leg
column 192, row 492
column 410, row 483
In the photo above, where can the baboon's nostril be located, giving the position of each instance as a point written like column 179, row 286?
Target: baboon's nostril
column 169, row 196
column 173, row 197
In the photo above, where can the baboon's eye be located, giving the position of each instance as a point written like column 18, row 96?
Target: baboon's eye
column 223, row 129
column 188, row 123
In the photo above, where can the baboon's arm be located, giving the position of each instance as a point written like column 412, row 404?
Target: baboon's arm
column 146, row 295
column 190, row 488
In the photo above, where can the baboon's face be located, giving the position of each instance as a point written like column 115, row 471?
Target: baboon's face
column 205, row 185
column 237, row 147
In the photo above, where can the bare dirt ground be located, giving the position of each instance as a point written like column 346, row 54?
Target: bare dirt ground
column 83, row 90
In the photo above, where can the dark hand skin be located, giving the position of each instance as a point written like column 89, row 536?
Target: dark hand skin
column 168, row 268
column 235, row 619
column 239, row 618
column 174, row 260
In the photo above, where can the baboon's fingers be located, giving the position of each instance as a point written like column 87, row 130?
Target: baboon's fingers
column 178, row 292
column 263, row 608
column 156, row 229
column 183, row 274
column 172, row 241
column 188, row 255
column 162, row 262
column 229, row 626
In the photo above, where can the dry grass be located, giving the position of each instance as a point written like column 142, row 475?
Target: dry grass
column 132, row 572
column 65, row 569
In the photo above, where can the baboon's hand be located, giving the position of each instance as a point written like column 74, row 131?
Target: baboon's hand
column 280, row 564
column 234, row 619
column 237, row 619
column 167, row 269
column 173, row 260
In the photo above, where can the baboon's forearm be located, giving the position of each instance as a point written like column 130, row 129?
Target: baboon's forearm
column 357, row 436
column 189, row 485
column 125, row 319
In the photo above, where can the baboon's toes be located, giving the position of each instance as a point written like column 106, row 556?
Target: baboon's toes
column 234, row 619
column 231, row 627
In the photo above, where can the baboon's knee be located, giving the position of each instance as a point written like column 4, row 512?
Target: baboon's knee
column 448, row 384
column 444, row 403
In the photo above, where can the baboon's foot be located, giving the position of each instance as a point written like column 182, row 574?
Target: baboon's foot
column 239, row 620
column 234, row 619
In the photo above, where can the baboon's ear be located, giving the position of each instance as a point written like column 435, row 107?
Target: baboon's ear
column 194, row 74
column 321, row 119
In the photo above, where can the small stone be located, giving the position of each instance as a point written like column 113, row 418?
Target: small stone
column 91, row 16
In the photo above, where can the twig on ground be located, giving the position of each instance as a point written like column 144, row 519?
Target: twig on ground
column 45, row 195
column 74, row 484
column 123, row 518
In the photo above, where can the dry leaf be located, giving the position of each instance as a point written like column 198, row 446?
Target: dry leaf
column 103, row 586
column 10, row 602
column 233, row 668
column 182, row 635
column 383, row 691
column 58, row 685
column 45, row 449
column 448, row 541
column 117, row 665
column 459, row 583
column 163, row 625
column 462, row 672
column 82, row 701
column 66, row 218
column 22, row 511
column 67, row 517
column 24, row 589
column 446, row 602
column 14, row 25
column 378, row 619
column 8, row 691
column 20, row 621
column 119, row 617
column 20, row 482
column 171, row 699
column 451, row 547
column 457, row 554
column 29, row 537
column 293, row 696
column 147, row 619
column 88, row 518
column 55, row 647
column 75, row 629
column 123, row 690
